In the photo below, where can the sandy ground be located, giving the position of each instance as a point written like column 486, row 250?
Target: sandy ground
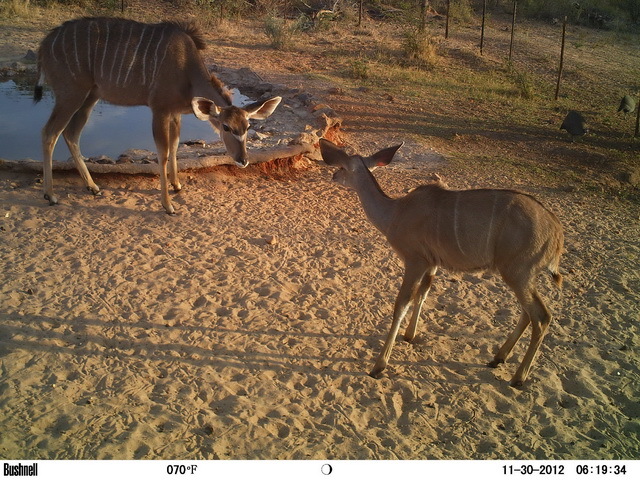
column 244, row 326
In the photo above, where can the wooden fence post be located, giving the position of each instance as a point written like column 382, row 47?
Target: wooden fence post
column 564, row 30
column 424, row 7
column 637, row 132
column 484, row 14
column 513, row 27
column 446, row 25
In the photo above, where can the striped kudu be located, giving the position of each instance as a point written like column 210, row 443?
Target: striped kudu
column 130, row 63
column 463, row 230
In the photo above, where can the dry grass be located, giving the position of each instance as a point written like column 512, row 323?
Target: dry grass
column 441, row 91
column 11, row 8
column 421, row 48
column 511, row 107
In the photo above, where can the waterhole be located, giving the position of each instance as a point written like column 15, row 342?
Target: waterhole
column 111, row 129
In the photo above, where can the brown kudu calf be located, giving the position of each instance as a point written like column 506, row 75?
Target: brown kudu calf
column 130, row 63
column 431, row 227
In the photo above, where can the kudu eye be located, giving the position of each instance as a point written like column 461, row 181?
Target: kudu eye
column 226, row 128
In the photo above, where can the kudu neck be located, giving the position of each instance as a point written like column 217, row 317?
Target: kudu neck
column 204, row 85
column 378, row 206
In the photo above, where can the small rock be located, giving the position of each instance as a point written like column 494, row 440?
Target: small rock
column 18, row 67
column 30, row 56
column 270, row 239
column 198, row 142
column 631, row 176
column 305, row 98
column 320, row 106
column 254, row 135
column 264, row 87
column 102, row 159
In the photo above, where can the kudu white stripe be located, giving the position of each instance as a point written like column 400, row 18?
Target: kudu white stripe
column 490, row 228
column 155, row 57
column 89, row 28
column 104, row 49
column 75, row 46
column 127, row 44
column 435, row 227
column 53, row 45
column 135, row 52
column 456, row 226
column 119, row 70
column 66, row 54
column 118, row 44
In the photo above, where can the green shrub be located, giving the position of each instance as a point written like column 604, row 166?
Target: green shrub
column 523, row 83
column 420, row 48
column 358, row 69
column 14, row 7
column 592, row 13
column 461, row 11
column 281, row 32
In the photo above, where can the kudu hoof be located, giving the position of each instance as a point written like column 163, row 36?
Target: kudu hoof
column 95, row 191
column 52, row 199
column 495, row 363
column 409, row 338
column 518, row 384
column 376, row 373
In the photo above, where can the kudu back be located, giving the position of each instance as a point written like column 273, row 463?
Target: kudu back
column 505, row 231
column 131, row 63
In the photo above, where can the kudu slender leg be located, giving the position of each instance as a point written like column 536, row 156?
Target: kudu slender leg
column 421, row 295
column 512, row 339
column 63, row 111
column 48, row 144
column 161, row 132
column 523, row 291
column 519, row 279
column 413, row 275
column 534, row 312
column 540, row 320
column 72, row 136
column 174, row 141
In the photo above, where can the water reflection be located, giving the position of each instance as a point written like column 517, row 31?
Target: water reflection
column 110, row 130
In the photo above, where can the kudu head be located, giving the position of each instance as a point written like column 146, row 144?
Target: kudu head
column 232, row 122
column 351, row 165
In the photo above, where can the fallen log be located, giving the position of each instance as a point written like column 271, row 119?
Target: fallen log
column 206, row 161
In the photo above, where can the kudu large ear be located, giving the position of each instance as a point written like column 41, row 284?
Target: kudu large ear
column 204, row 109
column 260, row 111
column 332, row 154
column 381, row 158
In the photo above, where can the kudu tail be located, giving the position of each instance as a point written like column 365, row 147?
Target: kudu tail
column 37, row 94
column 554, row 269
column 554, row 264
column 37, row 91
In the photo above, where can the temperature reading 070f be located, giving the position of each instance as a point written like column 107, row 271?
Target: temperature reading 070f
column 181, row 469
